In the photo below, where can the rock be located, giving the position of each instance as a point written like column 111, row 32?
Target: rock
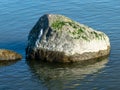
column 8, row 55
column 56, row 38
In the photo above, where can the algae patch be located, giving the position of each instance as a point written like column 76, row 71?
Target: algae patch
column 98, row 36
column 58, row 24
column 78, row 31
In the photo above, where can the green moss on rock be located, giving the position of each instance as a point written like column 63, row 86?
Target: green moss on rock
column 78, row 32
column 58, row 24
column 99, row 36
column 85, row 38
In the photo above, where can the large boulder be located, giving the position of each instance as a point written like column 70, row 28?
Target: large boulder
column 8, row 55
column 56, row 38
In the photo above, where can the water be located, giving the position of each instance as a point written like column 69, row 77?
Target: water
column 18, row 17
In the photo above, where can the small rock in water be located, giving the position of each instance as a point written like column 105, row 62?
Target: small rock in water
column 56, row 38
column 8, row 55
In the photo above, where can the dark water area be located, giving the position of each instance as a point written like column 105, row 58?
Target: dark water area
column 18, row 17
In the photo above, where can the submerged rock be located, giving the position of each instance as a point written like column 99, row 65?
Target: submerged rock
column 56, row 38
column 8, row 55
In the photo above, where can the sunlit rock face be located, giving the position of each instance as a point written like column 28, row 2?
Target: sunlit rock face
column 8, row 55
column 56, row 38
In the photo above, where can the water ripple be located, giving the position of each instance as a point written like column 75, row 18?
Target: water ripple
column 18, row 17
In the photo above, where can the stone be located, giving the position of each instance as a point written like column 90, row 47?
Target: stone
column 57, row 38
column 8, row 55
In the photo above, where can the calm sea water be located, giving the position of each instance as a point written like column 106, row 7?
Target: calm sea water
column 18, row 17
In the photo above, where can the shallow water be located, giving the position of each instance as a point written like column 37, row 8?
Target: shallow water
column 18, row 17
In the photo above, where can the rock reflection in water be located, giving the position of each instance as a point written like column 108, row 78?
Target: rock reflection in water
column 61, row 76
column 7, row 63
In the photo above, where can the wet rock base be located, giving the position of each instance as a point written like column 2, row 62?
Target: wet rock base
column 52, row 56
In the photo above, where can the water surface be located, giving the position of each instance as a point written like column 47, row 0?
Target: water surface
column 18, row 17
